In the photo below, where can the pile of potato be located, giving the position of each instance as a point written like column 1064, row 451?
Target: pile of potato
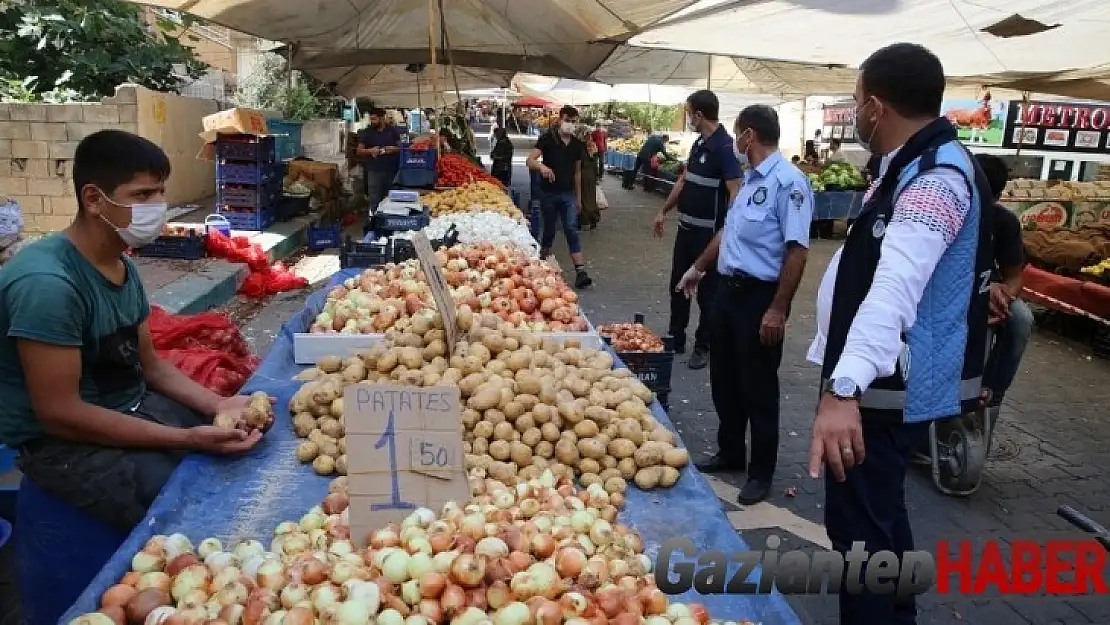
column 476, row 196
column 258, row 415
column 530, row 404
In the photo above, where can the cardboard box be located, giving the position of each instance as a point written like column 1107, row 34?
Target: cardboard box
column 237, row 121
column 325, row 175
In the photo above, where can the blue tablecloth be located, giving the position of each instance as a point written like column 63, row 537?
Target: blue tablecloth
column 837, row 205
column 247, row 497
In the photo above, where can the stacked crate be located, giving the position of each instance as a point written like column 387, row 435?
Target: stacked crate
column 248, row 181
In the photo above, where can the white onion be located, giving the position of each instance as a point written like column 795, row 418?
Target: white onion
column 482, row 227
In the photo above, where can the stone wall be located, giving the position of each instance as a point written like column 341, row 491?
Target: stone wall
column 37, row 143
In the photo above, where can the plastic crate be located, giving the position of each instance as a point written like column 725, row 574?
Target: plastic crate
column 255, row 220
column 403, row 249
column 324, row 237
column 290, row 206
column 266, row 195
column 248, row 173
column 418, row 159
column 246, row 148
column 183, row 247
column 416, row 178
column 386, row 223
column 652, row 368
column 287, row 137
column 363, row 254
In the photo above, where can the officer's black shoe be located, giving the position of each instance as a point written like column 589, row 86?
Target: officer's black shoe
column 699, row 359
column 719, row 464
column 583, row 279
column 679, row 346
column 754, row 491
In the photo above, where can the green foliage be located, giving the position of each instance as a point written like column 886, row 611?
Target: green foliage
column 641, row 115
column 66, row 50
column 266, row 87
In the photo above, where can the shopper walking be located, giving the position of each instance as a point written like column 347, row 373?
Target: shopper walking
column 905, row 312
column 702, row 194
column 378, row 147
column 557, row 157
column 601, row 140
column 760, row 254
column 502, row 157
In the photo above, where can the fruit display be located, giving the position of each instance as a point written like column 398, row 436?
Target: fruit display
column 498, row 279
column 470, row 197
column 838, row 177
column 537, row 553
column 531, row 404
column 456, row 170
column 630, row 145
column 1026, row 190
column 482, row 227
column 1099, row 270
column 631, row 337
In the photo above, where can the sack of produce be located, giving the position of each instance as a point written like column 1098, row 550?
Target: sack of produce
column 206, row 330
column 217, row 371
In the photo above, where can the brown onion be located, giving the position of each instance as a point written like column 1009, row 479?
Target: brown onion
column 431, row 610
column 569, row 562
column 336, row 503
column 139, row 606
column 476, row 598
column 653, row 601
column 119, row 595
column 116, row 613
column 698, row 612
column 468, row 570
column 518, row 561
column 453, row 600
column 131, row 578
column 299, row 616
column 498, row 595
column 180, row 563
column 432, row 585
column 543, row 545
column 548, row 613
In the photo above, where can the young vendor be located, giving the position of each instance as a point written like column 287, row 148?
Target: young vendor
column 99, row 420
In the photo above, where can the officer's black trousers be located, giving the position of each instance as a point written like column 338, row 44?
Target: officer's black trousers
column 689, row 243
column 870, row 507
column 744, row 375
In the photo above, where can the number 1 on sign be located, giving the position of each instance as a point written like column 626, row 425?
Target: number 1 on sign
column 389, row 438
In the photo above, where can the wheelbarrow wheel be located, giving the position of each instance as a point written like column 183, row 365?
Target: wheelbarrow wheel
column 961, row 457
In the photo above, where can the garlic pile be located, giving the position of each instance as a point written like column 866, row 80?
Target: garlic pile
column 539, row 553
column 530, row 404
column 482, row 227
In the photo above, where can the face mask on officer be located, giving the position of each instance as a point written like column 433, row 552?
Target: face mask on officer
column 742, row 153
column 864, row 135
column 692, row 120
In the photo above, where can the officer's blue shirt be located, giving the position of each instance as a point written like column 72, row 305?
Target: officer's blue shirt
column 773, row 208
column 703, row 200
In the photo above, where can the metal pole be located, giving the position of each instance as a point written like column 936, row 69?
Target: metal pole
column 1021, row 126
column 432, row 49
column 289, row 79
column 450, row 61
column 709, row 71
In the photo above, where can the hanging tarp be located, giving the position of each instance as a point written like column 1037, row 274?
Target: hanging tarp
column 394, row 85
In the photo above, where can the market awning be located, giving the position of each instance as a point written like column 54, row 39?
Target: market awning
column 393, row 85
column 533, row 101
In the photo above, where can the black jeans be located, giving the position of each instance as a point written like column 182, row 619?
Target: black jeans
column 689, row 243
column 600, row 164
column 630, row 176
column 870, row 506
column 744, row 375
column 377, row 186
column 114, row 486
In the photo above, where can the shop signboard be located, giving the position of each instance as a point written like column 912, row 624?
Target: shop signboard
column 839, row 122
column 1056, row 214
column 978, row 122
column 1058, row 126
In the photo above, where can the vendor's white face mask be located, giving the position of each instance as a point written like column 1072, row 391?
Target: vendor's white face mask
column 147, row 220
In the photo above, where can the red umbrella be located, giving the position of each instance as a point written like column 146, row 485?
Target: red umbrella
column 533, row 102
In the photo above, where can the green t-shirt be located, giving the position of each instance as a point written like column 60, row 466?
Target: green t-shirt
column 50, row 293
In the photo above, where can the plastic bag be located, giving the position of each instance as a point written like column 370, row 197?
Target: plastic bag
column 208, row 330
column 602, row 202
column 237, row 249
column 219, row 372
column 274, row 279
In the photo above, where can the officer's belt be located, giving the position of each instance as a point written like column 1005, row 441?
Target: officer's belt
column 888, row 399
column 703, row 181
column 696, row 222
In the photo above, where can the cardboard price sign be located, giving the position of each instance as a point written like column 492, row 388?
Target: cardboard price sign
column 441, row 293
column 404, row 451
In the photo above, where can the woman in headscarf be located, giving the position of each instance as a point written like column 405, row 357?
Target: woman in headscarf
column 588, row 214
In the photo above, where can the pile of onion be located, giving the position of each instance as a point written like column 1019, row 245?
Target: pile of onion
column 539, row 553
column 503, row 280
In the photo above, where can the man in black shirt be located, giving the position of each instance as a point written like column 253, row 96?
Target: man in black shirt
column 1011, row 317
column 557, row 157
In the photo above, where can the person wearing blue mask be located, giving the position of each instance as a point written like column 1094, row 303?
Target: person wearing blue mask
column 760, row 256
column 902, row 314
column 702, row 195
column 99, row 419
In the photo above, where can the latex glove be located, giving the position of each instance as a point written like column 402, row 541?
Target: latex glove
column 688, row 284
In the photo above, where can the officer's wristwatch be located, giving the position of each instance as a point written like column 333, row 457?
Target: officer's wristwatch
column 843, row 388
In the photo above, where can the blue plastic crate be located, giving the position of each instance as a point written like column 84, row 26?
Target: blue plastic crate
column 324, row 237
column 246, row 148
column 248, row 196
column 7, row 458
column 183, row 247
column 287, row 136
column 418, row 159
column 255, row 220
column 416, row 178
column 248, row 173
column 387, row 223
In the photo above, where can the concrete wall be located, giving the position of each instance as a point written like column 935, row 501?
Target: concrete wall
column 322, row 139
column 37, row 142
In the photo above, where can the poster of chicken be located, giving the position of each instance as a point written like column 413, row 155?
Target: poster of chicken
column 978, row 122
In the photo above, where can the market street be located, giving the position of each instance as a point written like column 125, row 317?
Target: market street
column 1048, row 449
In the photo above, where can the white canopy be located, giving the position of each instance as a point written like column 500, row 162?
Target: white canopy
column 1052, row 46
column 578, row 92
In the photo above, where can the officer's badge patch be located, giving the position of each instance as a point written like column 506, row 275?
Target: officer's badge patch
column 701, row 159
column 878, row 229
column 797, row 198
column 760, row 195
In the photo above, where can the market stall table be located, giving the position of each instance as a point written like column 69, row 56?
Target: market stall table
column 248, row 497
column 1050, row 290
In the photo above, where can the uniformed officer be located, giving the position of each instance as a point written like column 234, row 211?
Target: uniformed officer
column 760, row 255
column 703, row 194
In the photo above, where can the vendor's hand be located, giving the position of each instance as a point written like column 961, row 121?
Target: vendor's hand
column 1000, row 300
column 375, row 151
column 688, row 284
column 837, row 437
column 773, row 327
column 657, row 224
column 220, row 441
column 547, row 174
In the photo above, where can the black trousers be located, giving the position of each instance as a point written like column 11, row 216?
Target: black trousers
column 114, row 486
column 630, row 176
column 744, row 375
column 870, row 506
column 600, row 164
column 689, row 243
